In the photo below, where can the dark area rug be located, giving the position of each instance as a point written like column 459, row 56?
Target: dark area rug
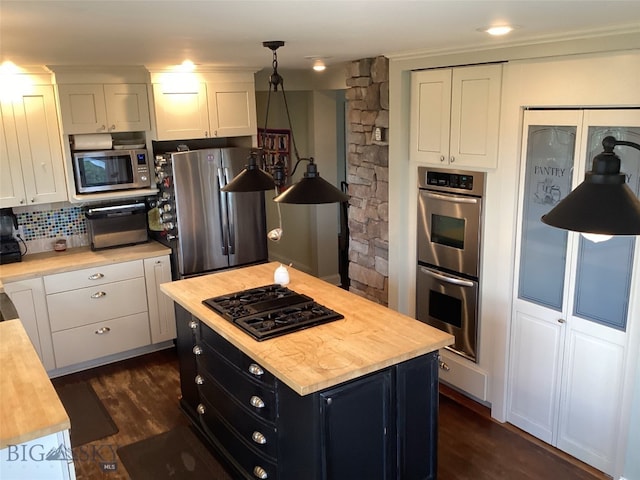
column 90, row 420
column 175, row 454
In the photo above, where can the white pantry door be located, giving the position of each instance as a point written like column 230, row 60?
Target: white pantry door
column 573, row 299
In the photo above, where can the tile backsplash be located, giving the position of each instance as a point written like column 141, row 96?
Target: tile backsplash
column 43, row 225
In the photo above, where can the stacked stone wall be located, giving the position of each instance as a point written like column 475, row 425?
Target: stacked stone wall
column 368, row 178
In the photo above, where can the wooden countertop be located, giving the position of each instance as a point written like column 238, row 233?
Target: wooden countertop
column 369, row 338
column 46, row 263
column 29, row 405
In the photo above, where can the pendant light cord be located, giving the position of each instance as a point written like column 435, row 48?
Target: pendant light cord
column 275, row 80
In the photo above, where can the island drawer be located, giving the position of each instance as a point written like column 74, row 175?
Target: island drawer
column 100, row 339
column 254, row 396
column 248, row 426
column 93, row 304
column 95, row 276
column 235, row 357
column 253, row 464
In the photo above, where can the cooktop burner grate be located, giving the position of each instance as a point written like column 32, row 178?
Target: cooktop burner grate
column 271, row 311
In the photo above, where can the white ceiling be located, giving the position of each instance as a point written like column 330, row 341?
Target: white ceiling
column 230, row 33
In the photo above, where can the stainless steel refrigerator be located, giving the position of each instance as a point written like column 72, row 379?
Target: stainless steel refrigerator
column 208, row 229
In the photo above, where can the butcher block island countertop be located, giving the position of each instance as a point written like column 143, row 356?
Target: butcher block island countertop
column 369, row 338
column 30, row 407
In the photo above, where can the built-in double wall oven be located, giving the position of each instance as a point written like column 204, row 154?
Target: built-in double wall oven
column 448, row 253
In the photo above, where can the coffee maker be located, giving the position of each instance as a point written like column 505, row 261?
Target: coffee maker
column 9, row 246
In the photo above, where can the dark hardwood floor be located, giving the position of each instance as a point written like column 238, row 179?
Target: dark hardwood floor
column 142, row 393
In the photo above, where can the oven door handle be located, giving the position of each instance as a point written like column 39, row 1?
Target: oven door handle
column 450, row 198
column 446, row 278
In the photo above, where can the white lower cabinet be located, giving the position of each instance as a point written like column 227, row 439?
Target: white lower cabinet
column 86, row 314
column 30, row 301
column 95, row 312
column 162, row 317
column 100, row 339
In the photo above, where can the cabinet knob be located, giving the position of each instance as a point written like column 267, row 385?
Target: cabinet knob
column 102, row 128
column 561, row 320
column 113, row 127
column 193, row 324
column 199, row 380
column 259, row 438
column 257, row 402
column 99, row 295
column 260, row 472
column 197, row 350
column 255, row 369
column 201, row 409
column 33, row 200
column 442, row 158
column 443, row 366
column 96, row 276
column 453, row 159
column 103, row 330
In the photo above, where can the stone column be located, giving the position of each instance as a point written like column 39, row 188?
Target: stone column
column 368, row 161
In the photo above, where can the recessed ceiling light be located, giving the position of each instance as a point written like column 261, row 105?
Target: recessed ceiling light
column 498, row 30
column 8, row 67
column 187, row 66
column 318, row 63
column 319, row 66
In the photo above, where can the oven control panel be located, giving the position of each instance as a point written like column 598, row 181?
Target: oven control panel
column 454, row 181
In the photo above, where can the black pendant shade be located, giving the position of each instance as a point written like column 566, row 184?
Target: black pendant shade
column 602, row 204
column 311, row 189
column 251, row 179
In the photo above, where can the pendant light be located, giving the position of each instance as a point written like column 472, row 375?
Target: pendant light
column 603, row 204
column 312, row 189
column 251, row 179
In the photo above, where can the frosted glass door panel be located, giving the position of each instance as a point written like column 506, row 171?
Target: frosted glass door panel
column 548, row 172
column 603, row 276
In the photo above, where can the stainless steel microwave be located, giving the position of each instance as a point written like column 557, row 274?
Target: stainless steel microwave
column 110, row 170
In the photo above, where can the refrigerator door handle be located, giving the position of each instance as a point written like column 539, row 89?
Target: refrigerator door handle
column 229, row 218
column 223, row 212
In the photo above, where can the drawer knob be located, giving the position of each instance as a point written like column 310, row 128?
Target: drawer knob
column 193, row 324
column 256, row 401
column 259, row 438
column 256, row 370
column 197, row 350
column 200, row 409
column 260, row 472
column 444, row 366
column 96, row 276
column 102, row 330
column 199, row 380
column 99, row 295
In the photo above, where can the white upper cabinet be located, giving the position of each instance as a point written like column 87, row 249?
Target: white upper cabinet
column 232, row 109
column 204, row 109
column 181, row 114
column 455, row 116
column 108, row 108
column 31, row 162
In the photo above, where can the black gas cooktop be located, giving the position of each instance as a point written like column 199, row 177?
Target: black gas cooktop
column 271, row 311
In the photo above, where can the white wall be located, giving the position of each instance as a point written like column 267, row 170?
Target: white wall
column 602, row 78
